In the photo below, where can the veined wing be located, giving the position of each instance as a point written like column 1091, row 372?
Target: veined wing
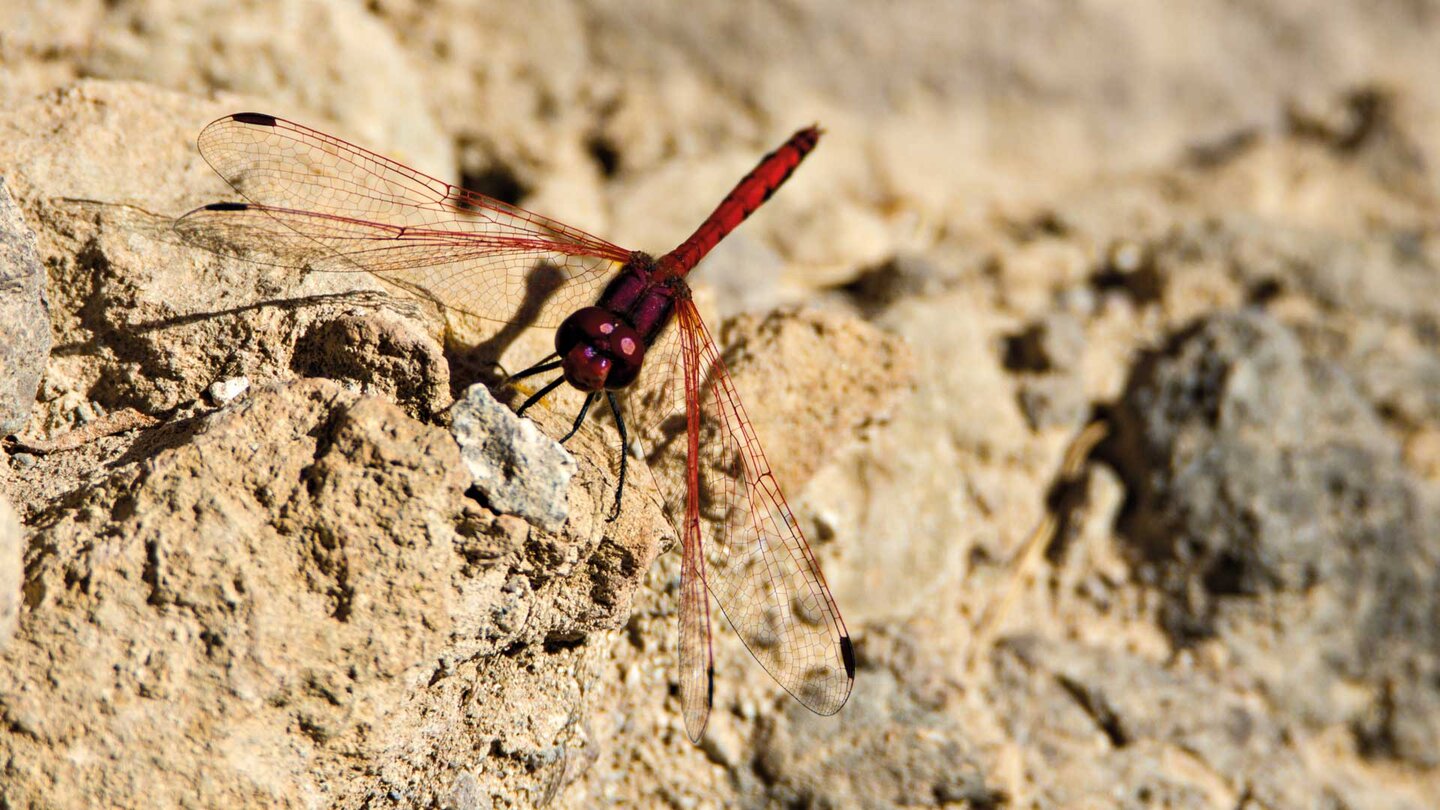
column 739, row 536
column 320, row 202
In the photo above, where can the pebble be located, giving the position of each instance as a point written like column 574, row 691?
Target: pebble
column 222, row 391
column 518, row 469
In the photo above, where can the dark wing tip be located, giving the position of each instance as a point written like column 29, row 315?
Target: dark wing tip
column 847, row 655
column 257, row 119
column 695, row 727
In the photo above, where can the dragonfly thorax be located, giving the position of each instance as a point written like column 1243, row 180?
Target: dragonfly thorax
column 599, row 350
column 602, row 347
column 643, row 294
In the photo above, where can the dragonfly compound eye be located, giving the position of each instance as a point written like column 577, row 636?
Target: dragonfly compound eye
column 585, row 368
column 599, row 350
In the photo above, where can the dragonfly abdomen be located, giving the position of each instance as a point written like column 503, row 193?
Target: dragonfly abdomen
column 755, row 188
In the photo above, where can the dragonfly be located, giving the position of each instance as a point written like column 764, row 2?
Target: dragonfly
column 626, row 330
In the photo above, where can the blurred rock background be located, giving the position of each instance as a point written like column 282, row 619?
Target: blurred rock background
column 1209, row 227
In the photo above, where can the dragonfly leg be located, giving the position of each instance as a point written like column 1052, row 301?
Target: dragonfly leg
column 624, row 452
column 545, row 364
column 539, row 395
column 584, row 409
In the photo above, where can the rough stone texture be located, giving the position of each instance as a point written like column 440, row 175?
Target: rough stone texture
column 12, row 570
column 331, row 58
column 517, row 469
column 1264, row 487
column 377, row 353
column 24, row 317
column 1173, row 738
column 834, row 373
column 987, row 169
column 902, row 727
column 207, row 542
column 143, row 320
column 301, row 576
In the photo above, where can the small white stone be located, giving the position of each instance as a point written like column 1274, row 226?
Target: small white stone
column 1127, row 257
column 225, row 390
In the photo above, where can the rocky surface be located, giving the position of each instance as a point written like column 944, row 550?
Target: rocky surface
column 1212, row 229
column 12, row 570
column 24, row 318
column 1269, row 501
column 514, row 467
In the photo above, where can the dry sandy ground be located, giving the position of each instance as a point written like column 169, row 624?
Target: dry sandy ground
column 1208, row 230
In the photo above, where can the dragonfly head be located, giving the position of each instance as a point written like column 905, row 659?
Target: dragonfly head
column 599, row 350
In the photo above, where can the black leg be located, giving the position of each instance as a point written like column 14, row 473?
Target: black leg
column 584, row 409
column 539, row 395
column 624, row 452
column 544, row 365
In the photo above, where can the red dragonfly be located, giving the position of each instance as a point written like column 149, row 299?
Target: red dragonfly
column 626, row 325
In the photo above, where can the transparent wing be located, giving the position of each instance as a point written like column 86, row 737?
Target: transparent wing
column 322, row 203
column 697, row 662
column 739, row 534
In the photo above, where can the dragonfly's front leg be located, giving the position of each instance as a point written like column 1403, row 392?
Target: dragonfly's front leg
column 584, row 409
column 545, row 364
column 539, row 395
column 624, row 452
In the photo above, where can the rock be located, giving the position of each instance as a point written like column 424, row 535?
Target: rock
column 296, row 580
column 377, row 353
column 1055, row 343
column 291, row 553
column 909, row 275
column 12, row 570
column 1054, row 400
column 1115, row 730
column 222, row 391
column 466, row 794
column 1261, row 486
column 804, row 759
column 835, row 374
column 1047, row 357
column 24, row 318
column 743, row 275
column 1018, row 159
column 159, row 319
column 327, row 57
column 517, row 469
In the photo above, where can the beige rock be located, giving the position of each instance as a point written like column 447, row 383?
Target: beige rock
column 301, row 59
column 24, row 318
column 985, row 167
column 12, row 570
column 279, row 585
column 162, row 320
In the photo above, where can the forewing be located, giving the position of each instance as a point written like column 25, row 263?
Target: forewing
column 721, row 497
column 697, row 667
column 322, row 203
